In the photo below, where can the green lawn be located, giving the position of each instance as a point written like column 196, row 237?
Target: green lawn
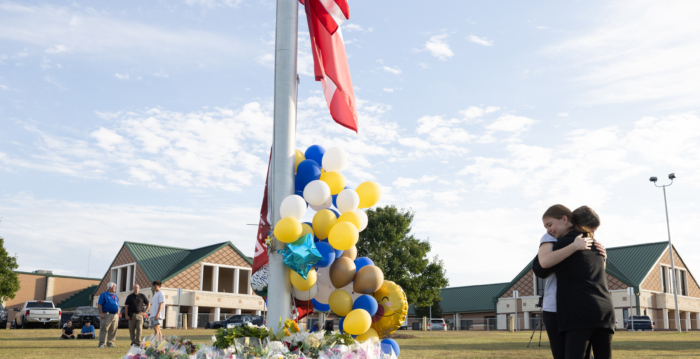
column 43, row 343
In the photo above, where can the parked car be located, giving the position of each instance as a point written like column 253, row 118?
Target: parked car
column 639, row 323
column 124, row 323
column 437, row 324
column 38, row 313
column 3, row 317
column 83, row 314
column 65, row 318
column 235, row 320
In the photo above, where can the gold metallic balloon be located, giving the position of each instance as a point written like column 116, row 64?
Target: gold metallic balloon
column 342, row 272
column 393, row 299
column 368, row 280
column 350, row 253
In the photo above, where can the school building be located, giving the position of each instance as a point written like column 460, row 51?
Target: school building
column 214, row 280
column 646, row 268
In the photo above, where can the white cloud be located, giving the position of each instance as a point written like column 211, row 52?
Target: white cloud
column 402, row 182
column 91, row 32
column 480, row 40
column 121, row 76
column 510, row 123
column 356, row 27
column 438, row 47
column 391, row 89
column 563, row 114
column 268, row 60
column 214, row 3
column 107, row 139
column 638, row 51
column 395, row 71
column 56, row 49
column 50, row 79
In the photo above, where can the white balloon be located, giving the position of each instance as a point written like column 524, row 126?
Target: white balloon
column 317, row 193
column 323, row 277
column 324, row 292
column 306, row 295
column 363, row 219
column 347, row 201
column 335, row 159
column 348, row 288
column 326, row 205
column 293, row 206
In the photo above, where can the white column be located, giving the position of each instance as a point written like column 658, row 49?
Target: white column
column 687, row 321
column 215, row 285
column 665, row 313
column 128, row 278
column 238, row 311
column 249, row 288
column 195, row 312
column 119, row 279
column 526, row 318
column 217, row 314
column 258, row 312
column 236, row 273
column 458, row 321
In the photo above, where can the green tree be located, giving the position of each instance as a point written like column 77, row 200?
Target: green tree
column 426, row 311
column 388, row 242
column 9, row 280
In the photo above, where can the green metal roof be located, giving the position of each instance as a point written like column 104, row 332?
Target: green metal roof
column 80, row 299
column 467, row 299
column 162, row 263
column 635, row 261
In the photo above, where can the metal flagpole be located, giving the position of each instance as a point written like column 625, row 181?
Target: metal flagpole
column 283, row 146
column 673, row 268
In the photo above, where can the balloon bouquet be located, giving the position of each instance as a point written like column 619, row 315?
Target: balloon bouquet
column 322, row 254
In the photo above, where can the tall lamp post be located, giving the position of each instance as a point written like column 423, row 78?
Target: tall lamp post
column 670, row 246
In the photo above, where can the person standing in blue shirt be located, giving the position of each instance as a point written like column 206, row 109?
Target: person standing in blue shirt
column 108, row 304
column 88, row 331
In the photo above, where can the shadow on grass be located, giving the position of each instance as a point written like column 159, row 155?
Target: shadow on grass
column 617, row 346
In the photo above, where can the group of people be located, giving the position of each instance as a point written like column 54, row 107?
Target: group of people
column 135, row 308
column 577, row 307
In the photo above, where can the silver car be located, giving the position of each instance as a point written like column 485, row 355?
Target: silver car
column 437, row 324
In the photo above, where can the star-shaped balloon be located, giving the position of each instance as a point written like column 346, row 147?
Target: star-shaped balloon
column 301, row 255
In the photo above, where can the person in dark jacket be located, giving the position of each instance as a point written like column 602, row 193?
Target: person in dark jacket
column 585, row 313
column 67, row 332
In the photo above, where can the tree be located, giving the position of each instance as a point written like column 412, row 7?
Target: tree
column 9, row 280
column 388, row 242
column 426, row 311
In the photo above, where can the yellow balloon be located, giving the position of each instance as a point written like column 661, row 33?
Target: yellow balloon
column 369, row 334
column 340, row 302
column 393, row 298
column 343, row 236
column 302, row 284
column 357, row 322
column 306, row 229
column 334, row 180
column 323, row 221
column 369, row 193
column 351, row 217
column 298, row 157
column 288, row 230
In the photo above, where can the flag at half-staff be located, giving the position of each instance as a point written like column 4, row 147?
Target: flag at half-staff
column 330, row 60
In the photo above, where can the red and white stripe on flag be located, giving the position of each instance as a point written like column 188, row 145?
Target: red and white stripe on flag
column 260, row 258
column 330, row 60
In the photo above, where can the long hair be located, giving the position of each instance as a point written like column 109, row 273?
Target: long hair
column 585, row 221
column 558, row 211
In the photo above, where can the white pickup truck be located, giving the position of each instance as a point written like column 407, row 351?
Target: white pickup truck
column 40, row 313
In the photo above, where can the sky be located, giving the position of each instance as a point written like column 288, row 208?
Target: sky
column 151, row 122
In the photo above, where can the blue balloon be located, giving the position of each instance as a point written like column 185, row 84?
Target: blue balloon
column 363, row 261
column 340, row 324
column 337, row 214
column 307, row 171
column 320, row 307
column 298, row 186
column 366, row 302
column 390, row 344
column 315, row 153
column 327, row 252
column 338, row 253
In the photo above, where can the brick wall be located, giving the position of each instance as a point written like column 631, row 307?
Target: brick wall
column 31, row 287
column 63, row 288
column 653, row 281
column 524, row 286
column 189, row 278
column 124, row 257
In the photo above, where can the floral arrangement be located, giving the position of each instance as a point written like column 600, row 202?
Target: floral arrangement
column 158, row 349
column 225, row 337
column 190, row 348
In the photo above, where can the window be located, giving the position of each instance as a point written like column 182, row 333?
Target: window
column 664, row 280
column 39, row 305
column 243, row 281
column 539, row 286
column 681, row 282
column 221, row 278
column 124, row 276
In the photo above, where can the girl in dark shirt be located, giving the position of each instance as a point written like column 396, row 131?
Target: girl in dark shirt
column 584, row 306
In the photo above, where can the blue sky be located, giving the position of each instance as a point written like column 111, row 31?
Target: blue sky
column 151, row 122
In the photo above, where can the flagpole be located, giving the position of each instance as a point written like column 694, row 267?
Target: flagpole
column 283, row 147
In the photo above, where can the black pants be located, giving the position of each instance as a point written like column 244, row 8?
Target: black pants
column 63, row 336
column 557, row 341
column 579, row 340
column 86, row 336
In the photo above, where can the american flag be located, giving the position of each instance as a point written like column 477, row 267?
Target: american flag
column 330, row 61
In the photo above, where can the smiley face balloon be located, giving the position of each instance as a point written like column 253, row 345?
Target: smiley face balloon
column 392, row 298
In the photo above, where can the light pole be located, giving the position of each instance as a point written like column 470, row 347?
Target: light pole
column 670, row 246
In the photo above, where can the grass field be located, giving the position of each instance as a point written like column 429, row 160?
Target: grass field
column 43, row 343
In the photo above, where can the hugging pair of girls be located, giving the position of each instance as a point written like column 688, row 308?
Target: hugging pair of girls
column 577, row 307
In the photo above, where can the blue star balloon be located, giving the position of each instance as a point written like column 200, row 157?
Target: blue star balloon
column 301, row 255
